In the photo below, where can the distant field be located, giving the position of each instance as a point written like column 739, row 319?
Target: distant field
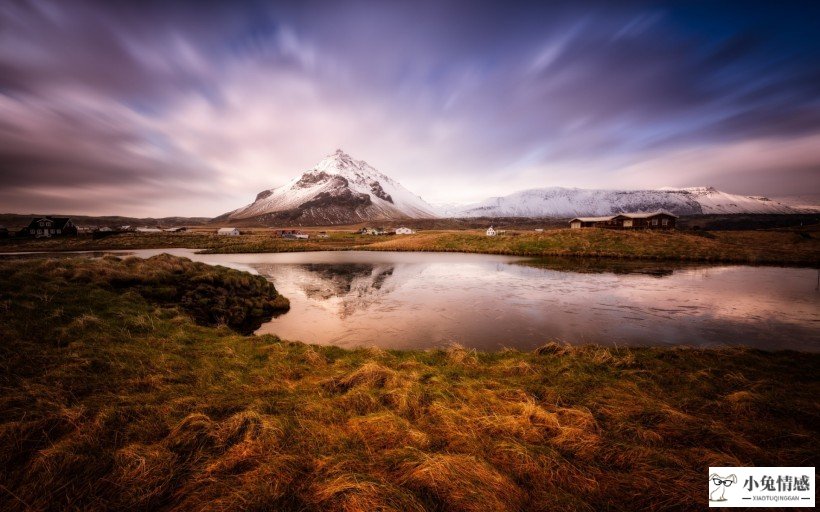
column 800, row 245
column 115, row 398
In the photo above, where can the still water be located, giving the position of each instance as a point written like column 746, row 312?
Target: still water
column 421, row 300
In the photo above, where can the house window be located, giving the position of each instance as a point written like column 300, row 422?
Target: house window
column 664, row 222
column 57, row 231
column 654, row 222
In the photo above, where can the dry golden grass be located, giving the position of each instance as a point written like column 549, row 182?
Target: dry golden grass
column 783, row 246
column 113, row 400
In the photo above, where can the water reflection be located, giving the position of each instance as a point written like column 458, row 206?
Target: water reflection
column 355, row 286
column 421, row 300
column 609, row 265
column 491, row 304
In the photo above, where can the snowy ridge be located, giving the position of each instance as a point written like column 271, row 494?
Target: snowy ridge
column 336, row 190
column 572, row 202
column 341, row 190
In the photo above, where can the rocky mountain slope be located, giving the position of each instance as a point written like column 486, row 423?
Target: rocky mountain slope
column 337, row 190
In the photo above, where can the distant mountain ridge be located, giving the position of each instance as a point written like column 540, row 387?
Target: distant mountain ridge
column 337, row 190
column 342, row 190
column 571, row 202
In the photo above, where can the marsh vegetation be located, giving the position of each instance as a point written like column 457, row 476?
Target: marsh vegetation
column 118, row 399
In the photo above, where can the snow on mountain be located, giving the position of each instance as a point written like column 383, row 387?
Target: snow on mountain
column 805, row 202
column 337, row 190
column 571, row 202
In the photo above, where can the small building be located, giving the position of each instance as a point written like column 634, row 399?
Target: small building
column 228, row 232
column 646, row 220
column 177, row 229
column 404, row 231
column 148, row 230
column 292, row 234
column 322, row 234
column 490, row 231
column 372, row 231
column 539, row 230
column 653, row 220
column 590, row 222
column 51, row 226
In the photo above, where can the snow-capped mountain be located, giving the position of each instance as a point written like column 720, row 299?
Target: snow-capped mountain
column 337, row 190
column 571, row 202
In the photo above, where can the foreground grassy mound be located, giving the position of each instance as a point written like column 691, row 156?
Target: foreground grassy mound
column 114, row 400
column 797, row 246
column 211, row 295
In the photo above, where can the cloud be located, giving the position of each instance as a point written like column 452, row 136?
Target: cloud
column 161, row 108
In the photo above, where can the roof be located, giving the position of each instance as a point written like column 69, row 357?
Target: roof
column 644, row 215
column 593, row 219
column 637, row 215
column 59, row 222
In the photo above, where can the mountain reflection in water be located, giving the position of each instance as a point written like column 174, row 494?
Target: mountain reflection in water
column 424, row 300
column 522, row 304
column 356, row 285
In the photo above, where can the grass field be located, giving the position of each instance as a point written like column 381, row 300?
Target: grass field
column 798, row 246
column 115, row 397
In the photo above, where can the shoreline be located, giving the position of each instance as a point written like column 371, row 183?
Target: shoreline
column 120, row 396
column 778, row 248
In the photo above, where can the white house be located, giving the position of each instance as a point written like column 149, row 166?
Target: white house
column 228, row 232
column 490, row 231
column 404, row 231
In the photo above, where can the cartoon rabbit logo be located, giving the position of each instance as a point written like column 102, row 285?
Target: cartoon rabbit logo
column 719, row 485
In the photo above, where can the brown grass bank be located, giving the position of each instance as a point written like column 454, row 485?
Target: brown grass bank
column 114, row 400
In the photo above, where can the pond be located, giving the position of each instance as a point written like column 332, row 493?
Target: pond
column 423, row 300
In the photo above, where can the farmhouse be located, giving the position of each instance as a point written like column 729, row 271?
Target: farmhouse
column 647, row 220
column 490, row 231
column 404, row 231
column 228, row 232
column 51, row 226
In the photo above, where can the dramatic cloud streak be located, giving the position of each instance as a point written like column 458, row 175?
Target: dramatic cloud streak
column 159, row 108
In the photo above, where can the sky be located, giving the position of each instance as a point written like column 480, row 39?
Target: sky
column 173, row 108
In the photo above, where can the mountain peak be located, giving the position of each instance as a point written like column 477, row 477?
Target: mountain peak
column 339, row 189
